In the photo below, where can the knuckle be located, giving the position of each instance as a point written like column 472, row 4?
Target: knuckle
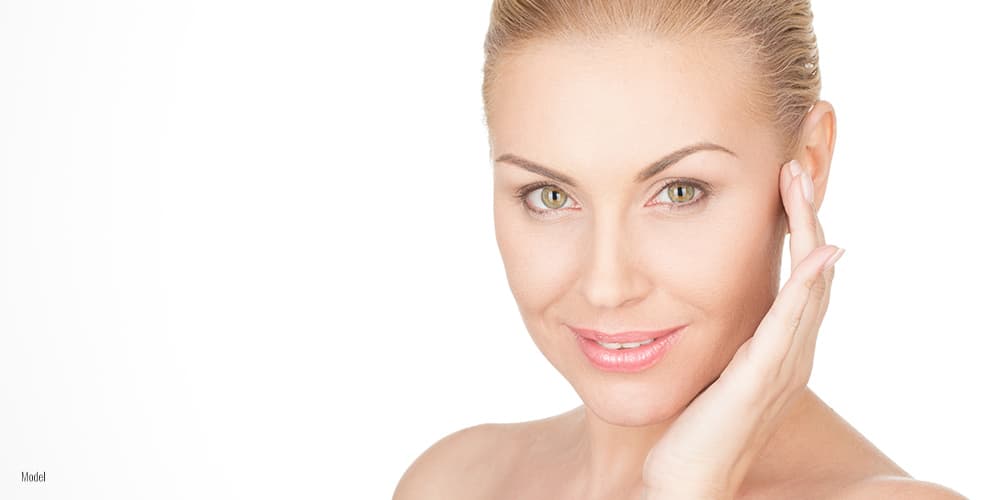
column 819, row 285
column 794, row 322
column 816, row 284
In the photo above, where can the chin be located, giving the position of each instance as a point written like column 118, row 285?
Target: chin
column 632, row 402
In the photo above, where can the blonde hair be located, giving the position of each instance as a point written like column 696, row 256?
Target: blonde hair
column 775, row 38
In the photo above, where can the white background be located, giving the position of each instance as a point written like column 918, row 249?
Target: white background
column 247, row 248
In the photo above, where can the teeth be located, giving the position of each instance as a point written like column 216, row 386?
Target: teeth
column 624, row 345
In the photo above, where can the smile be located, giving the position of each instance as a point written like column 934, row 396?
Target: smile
column 632, row 353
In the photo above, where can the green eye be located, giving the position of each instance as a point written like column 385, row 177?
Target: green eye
column 683, row 195
column 553, row 198
column 680, row 192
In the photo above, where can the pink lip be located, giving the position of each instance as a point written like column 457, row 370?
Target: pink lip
column 625, row 360
column 623, row 336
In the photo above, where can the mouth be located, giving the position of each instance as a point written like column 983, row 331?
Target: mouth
column 630, row 337
column 624, row 345
column 626, row 351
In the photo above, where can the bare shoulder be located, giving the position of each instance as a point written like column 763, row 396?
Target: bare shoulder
column 896, row 487
column 463, row 463
column 850, row 467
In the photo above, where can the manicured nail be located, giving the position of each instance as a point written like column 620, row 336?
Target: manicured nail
column 833, row 259
column 807, row 186
column 796, row 168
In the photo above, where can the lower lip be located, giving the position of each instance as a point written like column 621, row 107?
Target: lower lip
column 635, row 359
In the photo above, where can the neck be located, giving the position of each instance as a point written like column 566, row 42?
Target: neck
column 610, row 457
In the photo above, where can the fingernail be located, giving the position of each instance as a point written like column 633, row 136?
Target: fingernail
column 807, row 186
column 833, row 259
column 796, row 168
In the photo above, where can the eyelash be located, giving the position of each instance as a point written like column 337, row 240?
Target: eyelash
column 703, row 193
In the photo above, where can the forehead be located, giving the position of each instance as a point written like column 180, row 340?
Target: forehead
column 622, row 100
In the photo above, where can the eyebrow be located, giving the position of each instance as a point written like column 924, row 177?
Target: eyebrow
column 647, row 172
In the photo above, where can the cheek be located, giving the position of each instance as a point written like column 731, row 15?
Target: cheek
column 722, row 267
column 537, row 258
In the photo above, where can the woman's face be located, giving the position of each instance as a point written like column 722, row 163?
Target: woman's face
column 614, row 253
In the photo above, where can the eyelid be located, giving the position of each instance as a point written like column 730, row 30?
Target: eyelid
column 528, row 188
column 522, row 196
column 700, row 186
column 522, row 193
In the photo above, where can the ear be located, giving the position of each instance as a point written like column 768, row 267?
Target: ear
column 819, row 134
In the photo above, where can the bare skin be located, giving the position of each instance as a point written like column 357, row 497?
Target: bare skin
column 623, row 255
column 541, row 457
column 815, row 454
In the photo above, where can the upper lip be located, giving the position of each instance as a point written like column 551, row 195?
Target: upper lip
column 632, row 336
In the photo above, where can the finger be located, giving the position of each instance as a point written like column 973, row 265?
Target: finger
column 796, row 366
column 803, row 223
column 828, row 274
column 805, row 340
column 808, row 349
column 772, row 341
column 801, row 239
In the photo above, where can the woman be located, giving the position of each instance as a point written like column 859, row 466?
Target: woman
column 649, row 159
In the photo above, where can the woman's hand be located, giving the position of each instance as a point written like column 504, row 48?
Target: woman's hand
column 709, row 448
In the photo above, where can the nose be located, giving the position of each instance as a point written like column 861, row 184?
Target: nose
column 611, row 275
